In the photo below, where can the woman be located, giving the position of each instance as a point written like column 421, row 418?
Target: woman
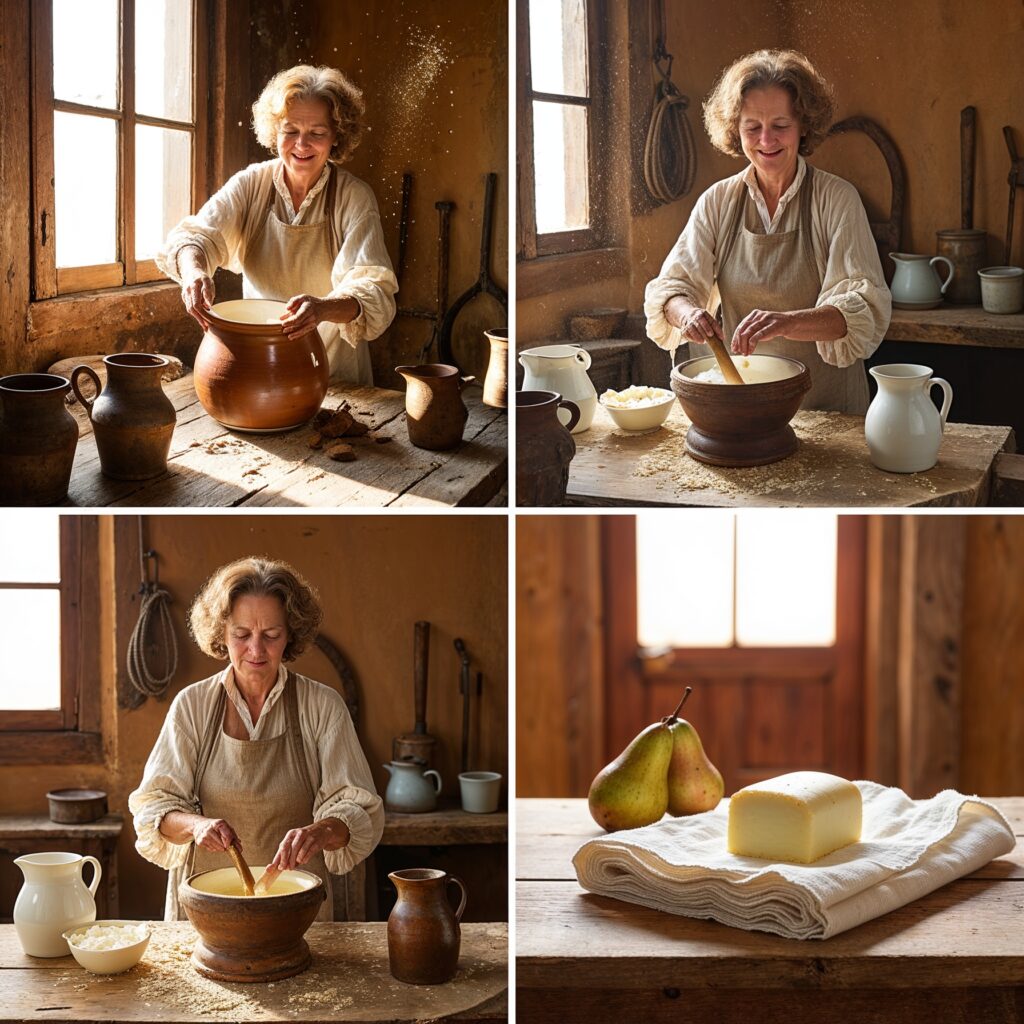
column 787, row 248
column 256, row 755
column 298, row 228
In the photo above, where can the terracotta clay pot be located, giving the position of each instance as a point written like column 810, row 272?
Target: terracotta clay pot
column 423, row 930
column 544, row 447
column 245, row 938
column 496, row 378
column 434, row 411
column 37, row 439
column 253, row 378
column 132, row 419
column 740, row 424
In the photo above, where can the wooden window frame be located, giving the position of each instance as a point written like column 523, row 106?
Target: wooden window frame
column 532, row 245
column 48, row 280
column 70, row 735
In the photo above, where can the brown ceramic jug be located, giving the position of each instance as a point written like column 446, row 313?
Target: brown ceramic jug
column 544, row 447
column 37, row 439
column 132, row 418
column 423, row 930
column 434, row 410
column 496, row 378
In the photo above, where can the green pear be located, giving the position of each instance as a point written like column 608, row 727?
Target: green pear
column 694, row 783
column 633, row 790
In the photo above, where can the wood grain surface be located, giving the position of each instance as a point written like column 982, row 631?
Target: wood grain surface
column 448, row 826
column 348, row 981
column 957, row 325
column 831, row 468
column 211, row 466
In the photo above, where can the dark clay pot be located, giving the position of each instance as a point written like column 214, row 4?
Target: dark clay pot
column 434, row 410
column 423, row 930
column 132, row 418
column 37, row 439
column 544, row 447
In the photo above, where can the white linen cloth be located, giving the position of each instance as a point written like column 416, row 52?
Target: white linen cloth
column 844, row 252
column 908, row 848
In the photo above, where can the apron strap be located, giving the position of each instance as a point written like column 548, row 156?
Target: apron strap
column 291, row 709
column 333, row 242
column 732, row 228
column 206, row 745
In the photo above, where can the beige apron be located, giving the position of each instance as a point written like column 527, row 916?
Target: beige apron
column 262, row 788
column 778, row 272
column 282, row 260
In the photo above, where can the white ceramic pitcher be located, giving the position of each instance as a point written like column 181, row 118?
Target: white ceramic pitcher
column 902, row 427
column 916, row 283
column 410, row 789
column 53, row 899
column 562, row 369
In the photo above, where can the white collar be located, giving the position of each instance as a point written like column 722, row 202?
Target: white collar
column 750, row 180
column 282, row 187
column 235, row 696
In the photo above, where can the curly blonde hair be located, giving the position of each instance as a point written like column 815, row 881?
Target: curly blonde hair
column 304, row 82
column 259, row 577
column 813, row 100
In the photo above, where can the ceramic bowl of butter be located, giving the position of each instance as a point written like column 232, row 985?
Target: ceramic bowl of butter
column 251, row 938
column 741, row 424
column 108, row 947
column 638, row 408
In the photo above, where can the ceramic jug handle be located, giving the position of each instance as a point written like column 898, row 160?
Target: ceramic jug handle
column 92, row 375
column 947, row 396
column 437, row 785
column 386, row 768
column 462, row 902
column 97, row 873
column 583, row 358
column 949, row 276
column 573, row 411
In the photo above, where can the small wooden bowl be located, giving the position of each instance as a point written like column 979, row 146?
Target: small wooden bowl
column 740, row 425
column 76, row 806
column 251, row 938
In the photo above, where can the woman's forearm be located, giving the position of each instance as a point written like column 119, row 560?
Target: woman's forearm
column 335, row 833
column 677, row 309
column 825, row 323
column 191, row 262
column 179, row 826
column 339, row 311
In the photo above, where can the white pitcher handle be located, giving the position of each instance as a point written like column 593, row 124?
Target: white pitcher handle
column 437, row 785
column 947, row 396
column 583, row 358
column 97, row 873
column 945, row 284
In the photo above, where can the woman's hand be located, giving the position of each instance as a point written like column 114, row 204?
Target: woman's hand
column 303, row 314
column 757, row 326
column 695, row 322
column 301, row 845
column 198, row 296
column 214, row 834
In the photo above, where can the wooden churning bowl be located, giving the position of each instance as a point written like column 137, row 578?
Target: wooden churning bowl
column 250, row 938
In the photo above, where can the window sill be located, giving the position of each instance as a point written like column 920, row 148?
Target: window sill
column 106, row 308
column 547, row 274
column 51, row 748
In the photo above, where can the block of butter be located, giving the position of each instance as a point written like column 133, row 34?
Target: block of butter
column 797, row 817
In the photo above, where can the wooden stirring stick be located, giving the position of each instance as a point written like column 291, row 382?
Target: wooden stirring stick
column 243, row 870
column 266, row 880
column 725, row 363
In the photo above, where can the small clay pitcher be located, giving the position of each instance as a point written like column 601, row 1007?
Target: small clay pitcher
column 434, row 410
column 132, row 418
column 496, row 378
column 37, row 439
column 544, row 447
column 423, row 931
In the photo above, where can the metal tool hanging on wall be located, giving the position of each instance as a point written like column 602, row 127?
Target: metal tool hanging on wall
column 1016, row 180
column 670, row 153
column 464, row 689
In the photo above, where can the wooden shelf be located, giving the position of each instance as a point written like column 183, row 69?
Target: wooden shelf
column 448, row 826
column 957, row 325
column 36, row 826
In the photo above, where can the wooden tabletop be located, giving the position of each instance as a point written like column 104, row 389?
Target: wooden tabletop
column 957, row 325
column 965, row 940
column 211, row 466
column 831, row 468
column 349, row 980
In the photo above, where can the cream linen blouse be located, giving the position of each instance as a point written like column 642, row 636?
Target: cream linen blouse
column 345, row 790
column 844, row 251
column 232, row 216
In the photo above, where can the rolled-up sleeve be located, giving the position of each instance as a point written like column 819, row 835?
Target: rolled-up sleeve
column 167, row 785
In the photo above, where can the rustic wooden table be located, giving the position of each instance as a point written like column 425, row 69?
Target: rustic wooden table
column 348, row 981
column 955, row 955
column 831, row 468
column 211, row 466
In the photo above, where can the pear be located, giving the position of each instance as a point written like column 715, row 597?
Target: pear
column 694, row 783
column 633, row 790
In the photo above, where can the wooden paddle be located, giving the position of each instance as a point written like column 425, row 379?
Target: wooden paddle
column 243, row 870
column 266, row 880
column 725, row 363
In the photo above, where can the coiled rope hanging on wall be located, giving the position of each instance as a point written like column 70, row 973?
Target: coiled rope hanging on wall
column 670, row 155
column 153, row 610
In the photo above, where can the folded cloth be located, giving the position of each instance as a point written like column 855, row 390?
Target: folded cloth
column 908, row 848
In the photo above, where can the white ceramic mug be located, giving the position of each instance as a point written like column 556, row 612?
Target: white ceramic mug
column 480, row 791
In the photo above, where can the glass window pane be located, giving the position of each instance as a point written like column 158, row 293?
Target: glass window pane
column 163, row 59
column 85, row 45
column 560, row 167
column 558, row 46
column 162, row 185
column 684, row 568
column 30, row 667
column 29, row 546
column 786, row 579
column 85, row 186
